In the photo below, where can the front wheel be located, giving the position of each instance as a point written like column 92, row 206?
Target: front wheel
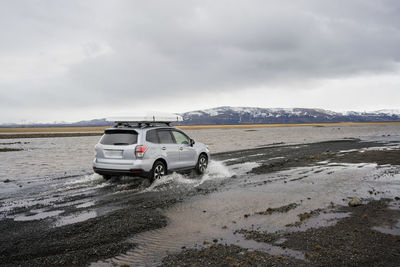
column 157, row 171
column 202, row 164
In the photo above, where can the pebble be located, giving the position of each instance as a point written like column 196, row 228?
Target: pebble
column 355, row 202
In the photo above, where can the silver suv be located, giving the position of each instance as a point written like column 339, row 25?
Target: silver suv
column 149, row 151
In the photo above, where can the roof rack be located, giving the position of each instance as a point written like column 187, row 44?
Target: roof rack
column 147, row 120
column 142, row 124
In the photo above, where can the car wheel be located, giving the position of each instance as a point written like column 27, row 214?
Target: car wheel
column 158, row 171
column 202, row 164
column 106, row 176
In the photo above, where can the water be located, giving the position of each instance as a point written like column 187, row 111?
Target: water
column 52, row 158
column 52, row 178
column 217, row 216
column 220, row 140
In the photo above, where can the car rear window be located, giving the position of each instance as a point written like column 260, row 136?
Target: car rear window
column 151, row 136
column 119, row 137
column 165, row 137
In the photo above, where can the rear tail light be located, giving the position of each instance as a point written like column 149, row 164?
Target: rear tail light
column 139, row 151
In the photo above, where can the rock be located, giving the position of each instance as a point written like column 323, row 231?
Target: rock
column 304, row 216
column 317, row 248
column 355, row 202
column 7, row 180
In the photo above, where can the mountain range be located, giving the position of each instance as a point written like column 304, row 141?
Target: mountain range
column 250, row 115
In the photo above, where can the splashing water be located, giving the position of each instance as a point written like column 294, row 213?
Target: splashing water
column 89, row 178
column 216, row 170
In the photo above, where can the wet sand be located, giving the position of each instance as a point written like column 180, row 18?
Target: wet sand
column 352, row 241
column 179, row 218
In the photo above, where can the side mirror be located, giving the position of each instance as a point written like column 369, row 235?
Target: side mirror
column 191, row 142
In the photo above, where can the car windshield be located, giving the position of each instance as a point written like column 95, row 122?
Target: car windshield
column 115, row 137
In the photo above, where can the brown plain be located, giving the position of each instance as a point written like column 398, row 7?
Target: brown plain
column 191, row 127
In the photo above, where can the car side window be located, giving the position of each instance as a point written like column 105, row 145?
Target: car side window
column 151, row 136
column 180, row 138
column 165, row 137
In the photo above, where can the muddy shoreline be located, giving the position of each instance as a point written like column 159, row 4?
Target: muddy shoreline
column 38, row 242
column 352, row 241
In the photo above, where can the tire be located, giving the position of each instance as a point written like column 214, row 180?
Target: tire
column 202, row 164
column 157, row 171
column 106, row 176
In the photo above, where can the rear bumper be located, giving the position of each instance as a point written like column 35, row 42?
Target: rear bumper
column 117, row 164
column 115, row 167
column 130, row 172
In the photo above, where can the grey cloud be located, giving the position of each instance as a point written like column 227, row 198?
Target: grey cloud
column 165, row 49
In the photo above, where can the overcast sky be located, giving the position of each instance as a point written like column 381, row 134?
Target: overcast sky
column 75, row 60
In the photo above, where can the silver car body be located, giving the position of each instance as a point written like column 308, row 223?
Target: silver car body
column 119, row 150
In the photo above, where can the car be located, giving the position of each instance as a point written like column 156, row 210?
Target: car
column 148, row 147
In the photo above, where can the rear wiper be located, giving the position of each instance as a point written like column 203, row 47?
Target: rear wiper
column 120, row 144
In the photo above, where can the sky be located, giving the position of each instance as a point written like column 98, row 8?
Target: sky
column 78, row 60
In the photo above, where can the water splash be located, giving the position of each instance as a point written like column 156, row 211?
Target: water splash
column 90, row 178
column 216, row 170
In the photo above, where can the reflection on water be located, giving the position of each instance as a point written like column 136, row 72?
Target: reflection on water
column 395, row 230
column 78, row 217
column 37, row 216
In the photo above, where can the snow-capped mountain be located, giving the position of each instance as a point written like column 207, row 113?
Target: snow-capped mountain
column 248, row 115
column 388, row 111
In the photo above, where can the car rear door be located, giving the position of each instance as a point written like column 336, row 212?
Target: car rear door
column 169, row 148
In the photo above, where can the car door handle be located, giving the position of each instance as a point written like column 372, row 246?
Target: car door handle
column 163, row 148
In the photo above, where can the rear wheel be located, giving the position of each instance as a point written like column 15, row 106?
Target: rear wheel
column 158, row 171
column 202, row 164
column 106, row 176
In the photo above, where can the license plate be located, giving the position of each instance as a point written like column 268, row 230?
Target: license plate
column 113, row 153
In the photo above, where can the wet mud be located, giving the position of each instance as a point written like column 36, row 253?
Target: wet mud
column 123, row 222
column 352, row 241
column 222, row 255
